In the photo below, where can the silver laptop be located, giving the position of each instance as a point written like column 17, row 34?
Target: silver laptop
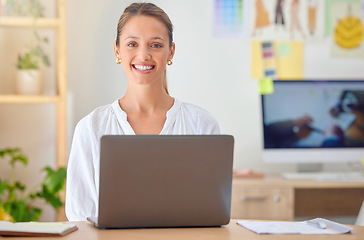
column 165, row 181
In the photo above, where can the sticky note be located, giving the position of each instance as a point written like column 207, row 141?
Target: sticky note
column 265, row 86
column 290, row 67
column 284, row 50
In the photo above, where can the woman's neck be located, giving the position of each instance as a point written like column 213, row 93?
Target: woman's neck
column 146, row 100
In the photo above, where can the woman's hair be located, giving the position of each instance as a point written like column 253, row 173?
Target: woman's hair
column 146, row 9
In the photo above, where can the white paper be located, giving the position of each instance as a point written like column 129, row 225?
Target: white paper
column 292, row 227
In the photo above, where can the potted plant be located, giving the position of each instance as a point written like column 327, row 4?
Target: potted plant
column 15, row 203
column 29, row 63
column 29, row 76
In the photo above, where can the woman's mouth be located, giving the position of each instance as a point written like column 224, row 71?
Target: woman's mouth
column 143, row 67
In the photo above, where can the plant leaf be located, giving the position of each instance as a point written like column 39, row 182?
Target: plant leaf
column 51, row 198
column 21, row 212
column 15, row 155
column 55, row 180
column 3, row 186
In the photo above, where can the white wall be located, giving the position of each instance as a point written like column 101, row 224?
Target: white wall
column 209, row 72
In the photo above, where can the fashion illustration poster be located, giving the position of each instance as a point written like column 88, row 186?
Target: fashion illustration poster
column 287, row 19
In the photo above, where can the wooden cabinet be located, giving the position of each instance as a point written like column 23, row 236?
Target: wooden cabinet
column 275, row 198
column 262, row 203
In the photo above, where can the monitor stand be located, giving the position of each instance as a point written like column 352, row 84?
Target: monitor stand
column 309, row 167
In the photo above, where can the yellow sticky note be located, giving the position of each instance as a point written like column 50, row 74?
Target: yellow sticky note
column 362, row 161
column 256, row 60
column 290, row 60
column 265, row 86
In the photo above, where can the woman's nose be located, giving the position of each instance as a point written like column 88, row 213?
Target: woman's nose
column 144, row 53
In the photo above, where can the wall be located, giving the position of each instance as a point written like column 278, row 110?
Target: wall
column 209, row 72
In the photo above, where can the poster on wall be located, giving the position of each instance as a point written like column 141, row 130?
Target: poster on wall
column 347, row 28
column 230, row 19
column 287, row 20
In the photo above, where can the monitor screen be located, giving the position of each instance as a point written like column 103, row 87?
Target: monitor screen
column 314, row 121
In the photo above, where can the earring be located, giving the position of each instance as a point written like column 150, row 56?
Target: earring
column 118, row 60
column 169, row 62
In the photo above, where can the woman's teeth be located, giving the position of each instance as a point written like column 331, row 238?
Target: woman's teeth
column 143, row 67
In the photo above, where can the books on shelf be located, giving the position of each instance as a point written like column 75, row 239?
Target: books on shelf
column 36, row 229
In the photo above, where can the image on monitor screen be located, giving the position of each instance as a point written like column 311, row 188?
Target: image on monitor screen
column 314, row 114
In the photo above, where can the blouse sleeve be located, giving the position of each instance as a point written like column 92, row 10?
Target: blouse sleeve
column 81, row 192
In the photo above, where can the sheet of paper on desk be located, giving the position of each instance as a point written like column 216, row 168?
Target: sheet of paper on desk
column 291, row 228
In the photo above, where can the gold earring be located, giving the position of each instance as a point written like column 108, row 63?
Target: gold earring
column 169, row 62
column 118, row 60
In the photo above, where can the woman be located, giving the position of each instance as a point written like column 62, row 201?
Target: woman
column 144, row 46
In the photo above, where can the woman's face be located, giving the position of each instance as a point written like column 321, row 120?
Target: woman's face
column 144, row 49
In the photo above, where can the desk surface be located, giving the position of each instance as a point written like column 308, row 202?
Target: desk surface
column 231, row 232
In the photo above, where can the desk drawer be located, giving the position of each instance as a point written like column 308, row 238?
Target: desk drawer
column 263, row 203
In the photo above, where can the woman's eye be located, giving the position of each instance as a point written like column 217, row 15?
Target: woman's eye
column 156, row 45
column 132, row 44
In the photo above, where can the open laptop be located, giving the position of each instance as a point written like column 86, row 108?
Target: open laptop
column 165, row 181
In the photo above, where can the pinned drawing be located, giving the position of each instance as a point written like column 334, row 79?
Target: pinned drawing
column 295, row 19
column 312, row 16
column 347, row 21
column 287, row 20
column 349, row 32
column 230, row 19
column 279, row 17
column 261, row 17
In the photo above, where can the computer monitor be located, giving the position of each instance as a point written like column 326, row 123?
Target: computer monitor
column 314, row 122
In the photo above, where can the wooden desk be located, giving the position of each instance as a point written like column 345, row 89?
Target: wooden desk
column 275, row 198
column 228, row 232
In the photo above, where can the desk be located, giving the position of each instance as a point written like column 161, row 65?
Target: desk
column 275, row 198
column 228, row 232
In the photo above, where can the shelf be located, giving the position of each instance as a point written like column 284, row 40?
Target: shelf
column 28, row 99
column 29, row 22
column 56, row 25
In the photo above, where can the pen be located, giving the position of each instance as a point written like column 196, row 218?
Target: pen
column 315, row 129
column 319, row 224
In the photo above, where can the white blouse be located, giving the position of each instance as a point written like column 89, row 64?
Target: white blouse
column 82, row 187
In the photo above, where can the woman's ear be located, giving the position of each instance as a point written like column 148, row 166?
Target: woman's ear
column 116, row 50
column 173, row 49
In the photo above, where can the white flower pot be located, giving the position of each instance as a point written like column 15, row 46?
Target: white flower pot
column 29, row 82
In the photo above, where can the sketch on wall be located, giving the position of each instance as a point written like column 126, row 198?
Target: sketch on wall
column 230, row 18
column 287, row 20
column 347, row 33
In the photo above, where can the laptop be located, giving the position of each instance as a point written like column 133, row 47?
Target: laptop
column 149, row 181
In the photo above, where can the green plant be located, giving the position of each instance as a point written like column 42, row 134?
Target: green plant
column 15, row 202
column 24, row 8
column 34, row 57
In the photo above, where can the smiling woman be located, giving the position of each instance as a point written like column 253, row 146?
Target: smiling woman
column 144, row 45
column 144, row 49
